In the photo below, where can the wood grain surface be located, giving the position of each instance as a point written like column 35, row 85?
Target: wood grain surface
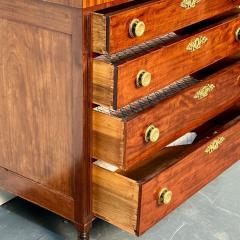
column 45, row 122
column 36, row 104
column 37, row 193
column 166, row 64
column 183, row 169
column 159, row 18
column 188, row 176
column 87, row 3
column 174, row 117
column 116, row 205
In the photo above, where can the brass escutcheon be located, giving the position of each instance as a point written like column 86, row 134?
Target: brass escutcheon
column 164, row 196
column 214, row 145
column 188, row 4
column 204, row 92
column 152, row 134
column 197, row 43
column 143, row 78
column 136, row 28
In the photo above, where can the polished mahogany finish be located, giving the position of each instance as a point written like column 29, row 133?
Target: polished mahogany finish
column 46, row 107
column 114, row 77
column 46, row 128
column 159, row 17
column 173, row 115
column 180, row 171
column 88, row 3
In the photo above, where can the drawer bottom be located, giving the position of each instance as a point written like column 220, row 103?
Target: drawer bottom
column 136, row 200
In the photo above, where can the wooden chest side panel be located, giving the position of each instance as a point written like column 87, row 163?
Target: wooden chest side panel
column 36, row 104
column 57, row 18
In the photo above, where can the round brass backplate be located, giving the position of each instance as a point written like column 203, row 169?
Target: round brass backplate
column 164, row 196
column 152, row 134
column 136, row 28
column 143, row 78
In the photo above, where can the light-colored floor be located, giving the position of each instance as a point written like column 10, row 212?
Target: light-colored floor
column 212, row 214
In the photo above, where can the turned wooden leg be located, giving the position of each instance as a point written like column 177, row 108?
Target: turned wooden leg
column 83, row 236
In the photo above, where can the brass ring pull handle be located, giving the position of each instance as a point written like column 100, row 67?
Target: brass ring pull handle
column 152, row 134
column 238, row 35
column 143, row 78
column 136, row 28
column 164, row 196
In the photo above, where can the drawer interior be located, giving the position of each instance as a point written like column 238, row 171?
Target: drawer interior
column 118, row 195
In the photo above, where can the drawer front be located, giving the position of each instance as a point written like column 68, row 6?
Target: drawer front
column 148, row 193
column 173, row 117
column 181, row 113
column 115, row 83
column 116, row 30
column 189, row 175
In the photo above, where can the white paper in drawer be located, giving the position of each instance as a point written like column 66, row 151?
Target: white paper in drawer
column 184, row 140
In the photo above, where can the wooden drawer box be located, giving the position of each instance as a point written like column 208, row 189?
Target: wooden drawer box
column 125, row 77
column 139, row 199
column 124, row 132
column 115, row 29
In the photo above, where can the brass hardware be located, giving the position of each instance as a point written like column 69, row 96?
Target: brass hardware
column 164, row 196
column 152, row 134
column 204, row 92
column 197, row 43
column 136, row 28
column 238, row 34
column 188, row 4
column 143, row 78
column 214, row 145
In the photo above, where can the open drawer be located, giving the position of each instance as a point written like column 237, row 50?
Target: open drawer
column 125, row 77
column 143, row 128
column 124, row 26
column 136, row 200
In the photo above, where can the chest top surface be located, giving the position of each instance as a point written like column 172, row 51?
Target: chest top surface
column 86, row 3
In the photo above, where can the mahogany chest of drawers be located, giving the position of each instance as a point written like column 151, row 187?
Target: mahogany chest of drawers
column 94, row 93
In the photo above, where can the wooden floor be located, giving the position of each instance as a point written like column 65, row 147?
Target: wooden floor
column 212, row 214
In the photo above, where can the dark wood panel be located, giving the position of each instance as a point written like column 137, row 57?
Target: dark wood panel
column 82, row 121
column 36, row 107
column 87, row 3
column 188, row 176
column 38, row 13
column 46, row 105
column 37, row 193
column 159, row 18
